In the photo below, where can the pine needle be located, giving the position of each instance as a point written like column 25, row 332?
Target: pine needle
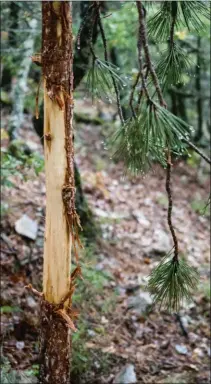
column 193, row 13
column 158, row 26
column 172, row 282
column 189, row 13
column 145, row 139
column 171, row 68
column 99, row 79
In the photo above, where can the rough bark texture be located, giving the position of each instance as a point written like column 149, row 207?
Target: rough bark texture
column 80, row 65
column 55, row 347
column 57, row 59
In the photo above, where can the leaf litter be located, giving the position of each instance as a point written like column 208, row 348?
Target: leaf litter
column 129, row 211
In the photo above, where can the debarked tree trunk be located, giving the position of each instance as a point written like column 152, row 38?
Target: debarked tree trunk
column 57, row 61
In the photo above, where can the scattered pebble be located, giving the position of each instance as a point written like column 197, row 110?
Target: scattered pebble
column 26, row 227
column 126, row 376
column 20, row 345
column 181, row 349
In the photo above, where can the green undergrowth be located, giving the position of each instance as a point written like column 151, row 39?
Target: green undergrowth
column 201, row 207
column 11, row 376
column 16, row 160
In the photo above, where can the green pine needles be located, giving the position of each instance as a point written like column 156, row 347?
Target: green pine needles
column 159, row 25
column 99, row 79
column 190, row 14
column 173, row 65
column 145, row 139
column 172, row 282
column 193, row 13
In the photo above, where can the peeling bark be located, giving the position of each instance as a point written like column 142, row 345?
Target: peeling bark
column 57, row 63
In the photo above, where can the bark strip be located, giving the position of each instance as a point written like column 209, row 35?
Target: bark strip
column 57, row 65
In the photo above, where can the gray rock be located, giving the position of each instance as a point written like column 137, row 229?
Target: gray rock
column 140, row 303
column 141, row 218
column 91, row 333
column 160, row 242
column 32, row 145
column 126, row 376
column 31, row 302
column 181, row 349
column 26, row 227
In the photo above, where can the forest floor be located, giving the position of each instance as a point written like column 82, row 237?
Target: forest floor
column 118, row 325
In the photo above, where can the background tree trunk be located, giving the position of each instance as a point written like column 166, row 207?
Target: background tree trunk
column 57, row 61
column 20, row 86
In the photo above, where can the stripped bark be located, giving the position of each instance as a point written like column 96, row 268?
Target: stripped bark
column 57, row 63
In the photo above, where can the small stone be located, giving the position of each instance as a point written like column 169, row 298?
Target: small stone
column 198, row 352
column 32, row 145
column 160, row 243
column 26, row 227
column 181, row 349
column 208, row 351
column 91, row 333
column 31, row 302
column 126, row 376
column 104, row 320
column 20, row 345
column 141, row 218
column 140, row 303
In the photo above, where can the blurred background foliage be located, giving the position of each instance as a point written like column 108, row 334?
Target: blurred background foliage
column 20, row 79
column 189, row 100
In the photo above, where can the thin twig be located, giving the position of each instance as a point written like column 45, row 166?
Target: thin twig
column 106, row 59
column 78, row 39
column 197, row 150
column 132, row 94
column 140, row 59
column 170, row 206
column 144, row 40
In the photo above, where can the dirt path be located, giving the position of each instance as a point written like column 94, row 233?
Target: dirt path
column 131, row 214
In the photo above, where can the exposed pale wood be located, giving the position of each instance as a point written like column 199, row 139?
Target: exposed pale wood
column 57, row 247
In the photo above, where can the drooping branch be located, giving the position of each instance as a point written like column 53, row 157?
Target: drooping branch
column 144, row 41
column 170, row 206
column 197, row 150
column 107, row 61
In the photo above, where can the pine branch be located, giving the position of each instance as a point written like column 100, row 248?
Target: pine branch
column 144, row 40
column 197, row 150
column 112, row 76
column 192, row 11
column 132, row 94
column 159, row 25
column 172, row 282
column 83, row 23
column 189, row 13
column 147, row 137
column 173, row 64
column 170, row 205
column 99, row 79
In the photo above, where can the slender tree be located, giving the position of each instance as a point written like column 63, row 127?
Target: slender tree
column 61, row 218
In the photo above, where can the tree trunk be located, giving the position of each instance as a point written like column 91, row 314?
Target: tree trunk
column 20, row 86
column 57, row 60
